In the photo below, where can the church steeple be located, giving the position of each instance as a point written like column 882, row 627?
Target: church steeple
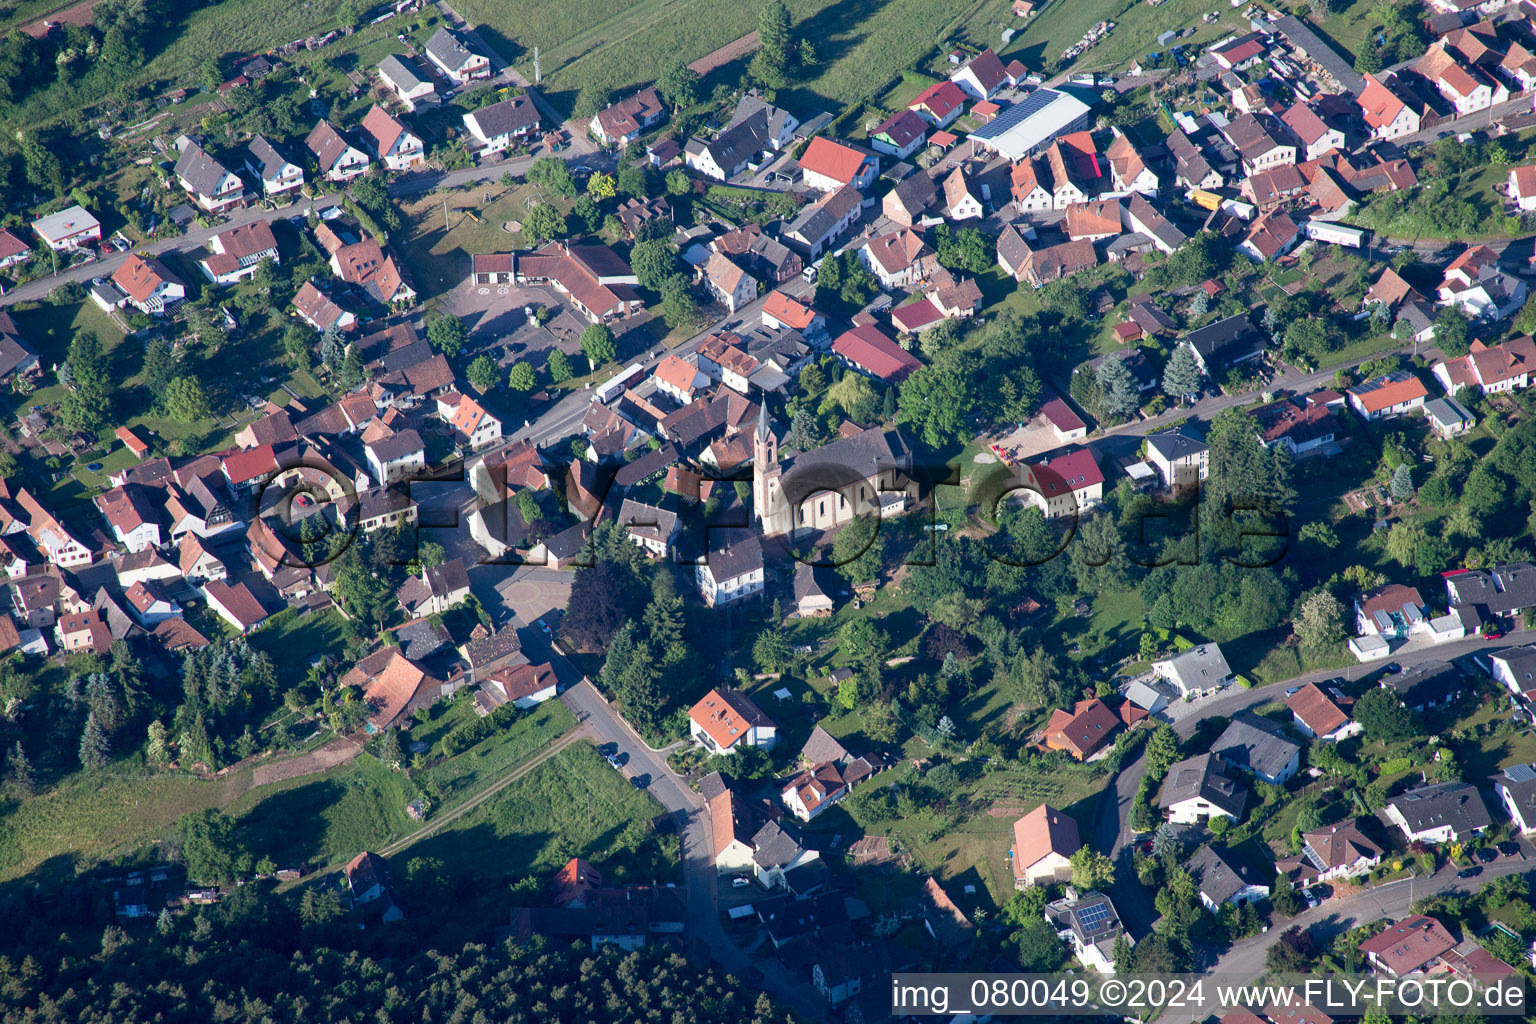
column 765, row 464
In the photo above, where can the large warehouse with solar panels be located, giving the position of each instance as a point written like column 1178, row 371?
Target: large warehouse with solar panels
column 1030, row 124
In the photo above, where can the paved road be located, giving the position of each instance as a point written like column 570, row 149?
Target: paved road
column 194, row 239
column 1112, row 829
column 1391, row 902
column 563, row 419
column 705, row 935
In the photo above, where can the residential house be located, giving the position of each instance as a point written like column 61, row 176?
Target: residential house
column 1129, row 169
column 1489, row 369
column 1426, row 685
column 733, row 568
column 1044, row 841
column 151, row 602
column 395, row 456
column 500, row 125
column 404, row 78
column 522, row 686
column 680, row 379
column 829, row 166
column 1302, row 428
column 758, row 253
column 1197, row 672
column 1260, row 142
column 1224, row 879
column 1316, row 136
column 212, row 185
column 1259, row 747
column 1198, row 787
column 621, row 123
column 1270, row 237
column 1515, row 667
column 818, row 225
column 83, row 631
column 899, row 135
column 1092, row 221
column 1408, row 947
column 1182, row 460
column 962, row 196
column 1474, row 282
column 1028, row 186
column 1521, row 187
column 368, row 882
column 133, row 516
column 778, row 125
column 1322, row 715
column 732, row 151
column 910, row 199
column 1091, row 926
column 149, row 285
column 726, row 720
column 1391, row 394
column 1084, row 731
column 236, row 253
column 473, row 425
column 1501, row 590
column 69, row 228
column 982, row 76
column 235, row 604
column 939, row 104
column 1393, row 611
column 396, row 147
column 12, row 249
column 780, row 312
column 1335, row 851
column 728, row 283
column 1447, row 417
column 376, row 272
column 315, row 308
column 196, row 562
column 1466, row 87
column 61, row 547
column 437, row 589
column 1516, row 787
column 453, row 56
column 653, row 529
column 1240, row 53
column 1063, row 485
column 1043, row 264
column 865, row 349
column 898, row 259
column 338, row 159
column 1387, row 113
column 1441, row 812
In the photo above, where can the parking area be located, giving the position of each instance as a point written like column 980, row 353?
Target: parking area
column 531, row 593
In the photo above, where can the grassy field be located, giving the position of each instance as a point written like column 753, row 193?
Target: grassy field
column 328, row 817
column 1063, row 23
column 292, row 640
column 456, row 777
column 96, row 816
column 572, row 805
column 439, row 256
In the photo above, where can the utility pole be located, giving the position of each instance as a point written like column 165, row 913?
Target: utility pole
column 445, row 213
column 537, row 67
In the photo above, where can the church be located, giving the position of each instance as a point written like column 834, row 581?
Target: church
column 868, row 473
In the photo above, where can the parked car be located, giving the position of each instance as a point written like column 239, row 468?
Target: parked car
column 1487, row 855
column 1312, row 901
column 641, row 781
column 1392, row 668
column 1471, row 872
column 1509, row 849
column 740, row 882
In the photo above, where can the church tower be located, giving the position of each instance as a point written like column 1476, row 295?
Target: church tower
column 765, row 467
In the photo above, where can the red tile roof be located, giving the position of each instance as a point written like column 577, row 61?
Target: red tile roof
column 879, row 355
column 832, row 159
column 139, row 277
column 940, row 99
column 787, row 311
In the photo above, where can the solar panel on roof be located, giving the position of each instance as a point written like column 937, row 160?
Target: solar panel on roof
column 1520, row 773
column 1027, row 107
column 1093, row 916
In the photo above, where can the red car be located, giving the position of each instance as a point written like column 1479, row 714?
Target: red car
column 1492, row 634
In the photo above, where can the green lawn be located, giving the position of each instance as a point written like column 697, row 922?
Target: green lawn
column 329, row 817
column 571, row 805
column 292, row 640
column 97, row 816
column 1138, row 25
column 453, row 779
